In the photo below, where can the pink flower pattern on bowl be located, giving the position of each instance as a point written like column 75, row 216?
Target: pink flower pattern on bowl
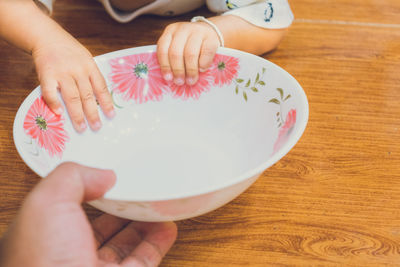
column 285, row 126
column 285, row 130
column 224, row 69
column 46, row 128
column 194, row 91
column 138, row 77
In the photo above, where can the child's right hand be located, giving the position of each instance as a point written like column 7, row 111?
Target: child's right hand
column 62, row 63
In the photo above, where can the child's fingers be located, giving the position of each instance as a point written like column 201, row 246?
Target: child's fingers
column 207, row 53
column 191, row 55
column 163, row 45
column 102, row 94
column 175, row 56
column 49, row 93
column 72, row 100
column 89, row 103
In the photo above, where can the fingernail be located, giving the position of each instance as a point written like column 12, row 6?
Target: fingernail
column 179, row 81
column 59, row 111
column 111, row 114
column 203, row 70
column 96, row 126
column 190, row 81
column 168, row 77
column 82, row 126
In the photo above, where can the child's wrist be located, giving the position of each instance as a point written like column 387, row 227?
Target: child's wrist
column 52, row 33
column 212, row 25
column 42, row 32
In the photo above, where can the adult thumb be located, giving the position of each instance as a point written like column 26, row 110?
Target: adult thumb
column 72, row 182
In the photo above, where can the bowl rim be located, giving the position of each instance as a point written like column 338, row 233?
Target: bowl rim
column 296, row 135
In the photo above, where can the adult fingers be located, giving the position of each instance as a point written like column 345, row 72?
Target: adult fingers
column 101, row 92
column 139, row 244
column 120, row 245
column 105, row 226
column 89, row 102
column 157, row 239
column 208, row 50
column 72, row 99
column 71, row 182
column 191, row 55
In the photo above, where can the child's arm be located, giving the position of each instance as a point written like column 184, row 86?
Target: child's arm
column 184, row 48
column 62, row 63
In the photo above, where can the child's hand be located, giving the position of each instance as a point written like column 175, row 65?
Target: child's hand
column 184, row 49
column 64, row 64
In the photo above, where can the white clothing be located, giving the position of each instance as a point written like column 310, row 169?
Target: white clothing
column 48, row 4
column 270, row 14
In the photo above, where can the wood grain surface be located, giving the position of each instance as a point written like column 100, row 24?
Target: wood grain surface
column 333, row 200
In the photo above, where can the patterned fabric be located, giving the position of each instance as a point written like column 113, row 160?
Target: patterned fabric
column 45, row 4
column 271, row 14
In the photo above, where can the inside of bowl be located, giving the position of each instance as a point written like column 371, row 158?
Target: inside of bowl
column 171, row 147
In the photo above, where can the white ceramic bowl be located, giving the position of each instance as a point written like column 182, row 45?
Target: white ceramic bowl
column 178, row 152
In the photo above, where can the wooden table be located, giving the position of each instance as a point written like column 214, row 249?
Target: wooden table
column 333, row 200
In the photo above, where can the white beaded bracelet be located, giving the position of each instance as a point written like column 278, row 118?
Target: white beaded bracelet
column 203, row 19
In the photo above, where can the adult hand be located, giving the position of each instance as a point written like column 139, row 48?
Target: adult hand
column 52, row 229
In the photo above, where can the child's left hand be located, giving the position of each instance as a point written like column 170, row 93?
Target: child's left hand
column 184, row 49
